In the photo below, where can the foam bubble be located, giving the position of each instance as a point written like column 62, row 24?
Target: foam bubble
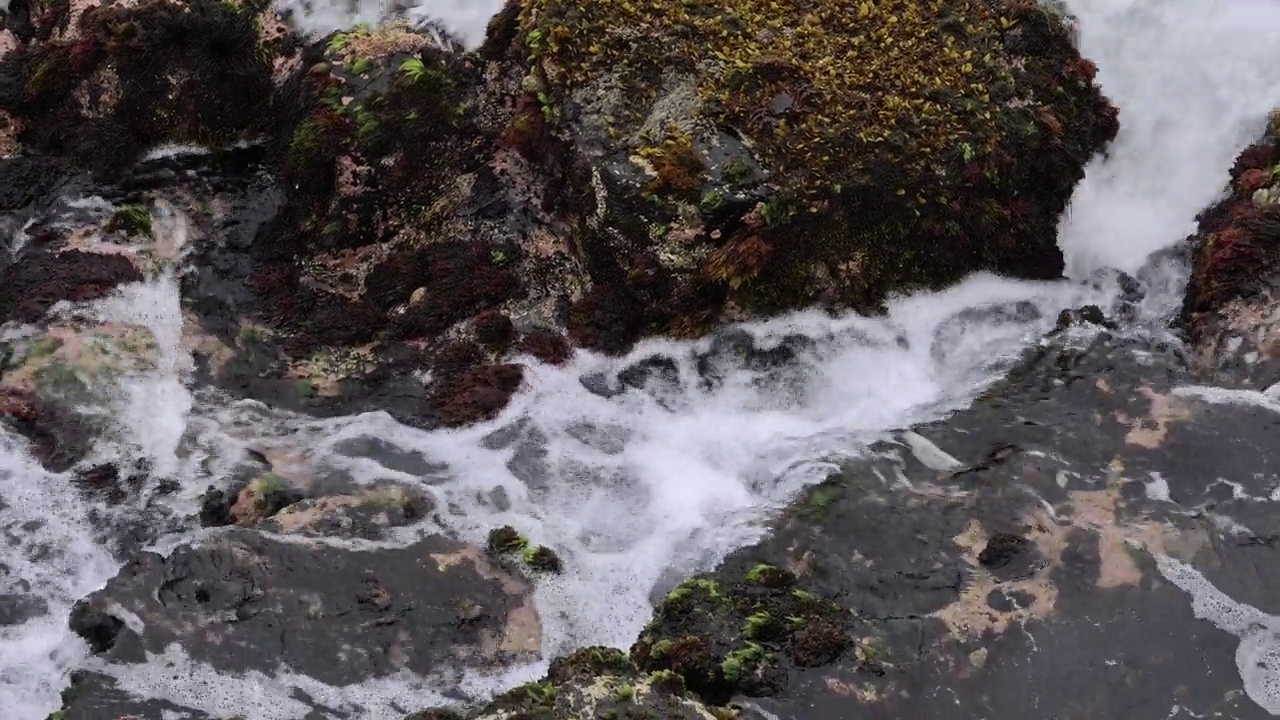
column 1258, row 655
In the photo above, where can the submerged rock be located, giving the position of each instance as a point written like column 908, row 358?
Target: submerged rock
column 244, row 601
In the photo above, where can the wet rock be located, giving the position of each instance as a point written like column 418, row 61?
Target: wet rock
column 1021, row 573
column 215, row 506
column 263, row 497
column 1232, row 306
column 104, row 482
column 244, row 601
column 59, row 437
column 594, row 682
column 389, row 456
column 745, row 635
column 368, row 514
column 30, row 287
column 475, row 395
column 505, row 542
column 17, row 609
column 94, row 696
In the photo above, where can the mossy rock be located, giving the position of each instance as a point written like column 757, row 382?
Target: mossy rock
column 89, row 89
column 724, row 637
column 835, row 151
column 600, row 683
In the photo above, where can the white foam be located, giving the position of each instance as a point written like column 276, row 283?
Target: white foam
column 466, row 18
column 1258, row 655
column 636, row 489
column 47, row 547
column 1193, row 83
column 1228, row 396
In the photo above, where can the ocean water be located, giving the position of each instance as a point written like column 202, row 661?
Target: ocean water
column 638, row 489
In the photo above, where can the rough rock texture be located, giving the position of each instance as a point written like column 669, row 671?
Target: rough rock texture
column 422, row 207
column 1008, row 561
column 1232, row 309
column 245, row 601
column 592, row 683
column 792, row 153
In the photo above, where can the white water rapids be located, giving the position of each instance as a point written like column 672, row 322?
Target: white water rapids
column 670, row 480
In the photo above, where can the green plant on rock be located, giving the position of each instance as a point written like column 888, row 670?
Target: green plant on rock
column 541, row 693
column 413, row 69
column 741, row 663
column 131, row 220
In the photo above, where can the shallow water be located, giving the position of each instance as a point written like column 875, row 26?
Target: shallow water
column 640, row 488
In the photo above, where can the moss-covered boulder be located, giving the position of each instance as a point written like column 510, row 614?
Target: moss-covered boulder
column 594, row 173
column 743, row 634
column 594, row 683
column 782, row 154
column 1232, row 307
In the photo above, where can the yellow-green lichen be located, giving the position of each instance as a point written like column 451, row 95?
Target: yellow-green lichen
column 829, row 92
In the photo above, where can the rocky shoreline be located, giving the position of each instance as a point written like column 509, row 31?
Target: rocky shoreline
column 390, row 206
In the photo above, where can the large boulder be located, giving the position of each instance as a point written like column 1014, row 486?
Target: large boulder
column 592, row 174
column 1232, row 307
column 775, row 155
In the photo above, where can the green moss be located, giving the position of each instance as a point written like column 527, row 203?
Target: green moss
column 694, row 586
column 505, row 540
column 660, row 648
column 741, row 663
column 625, row 693
column 666, row 681
column 760, row 626
column 131, row 220
column 934, row 69
column 542, row 559
column 769, row 576
column 269, row 484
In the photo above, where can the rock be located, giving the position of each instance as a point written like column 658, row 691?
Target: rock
column 594, row 682
column 1023, row 574
column 17, row 609
column 746, row 636
column 415, row 198
column 1080, row 499
column 505, row 542
column 32, row 286
column 217, row 87
column 1232, row 307
column 95, row 696
column 724, row 120
column 367, row 514
column 434, row 604
column 59, row 438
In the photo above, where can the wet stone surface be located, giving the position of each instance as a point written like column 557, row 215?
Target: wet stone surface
column 246, row 601
column 1021, row 579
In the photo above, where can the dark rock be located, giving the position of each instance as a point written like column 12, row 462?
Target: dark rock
column 17, row 609
column 1029, row 577
column 254, row 603
column 30, row 287
column 95, row 696
column 389, row 456
column 215, row 507
column 475, row 395
column 1229, row 308
column 59, row 437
